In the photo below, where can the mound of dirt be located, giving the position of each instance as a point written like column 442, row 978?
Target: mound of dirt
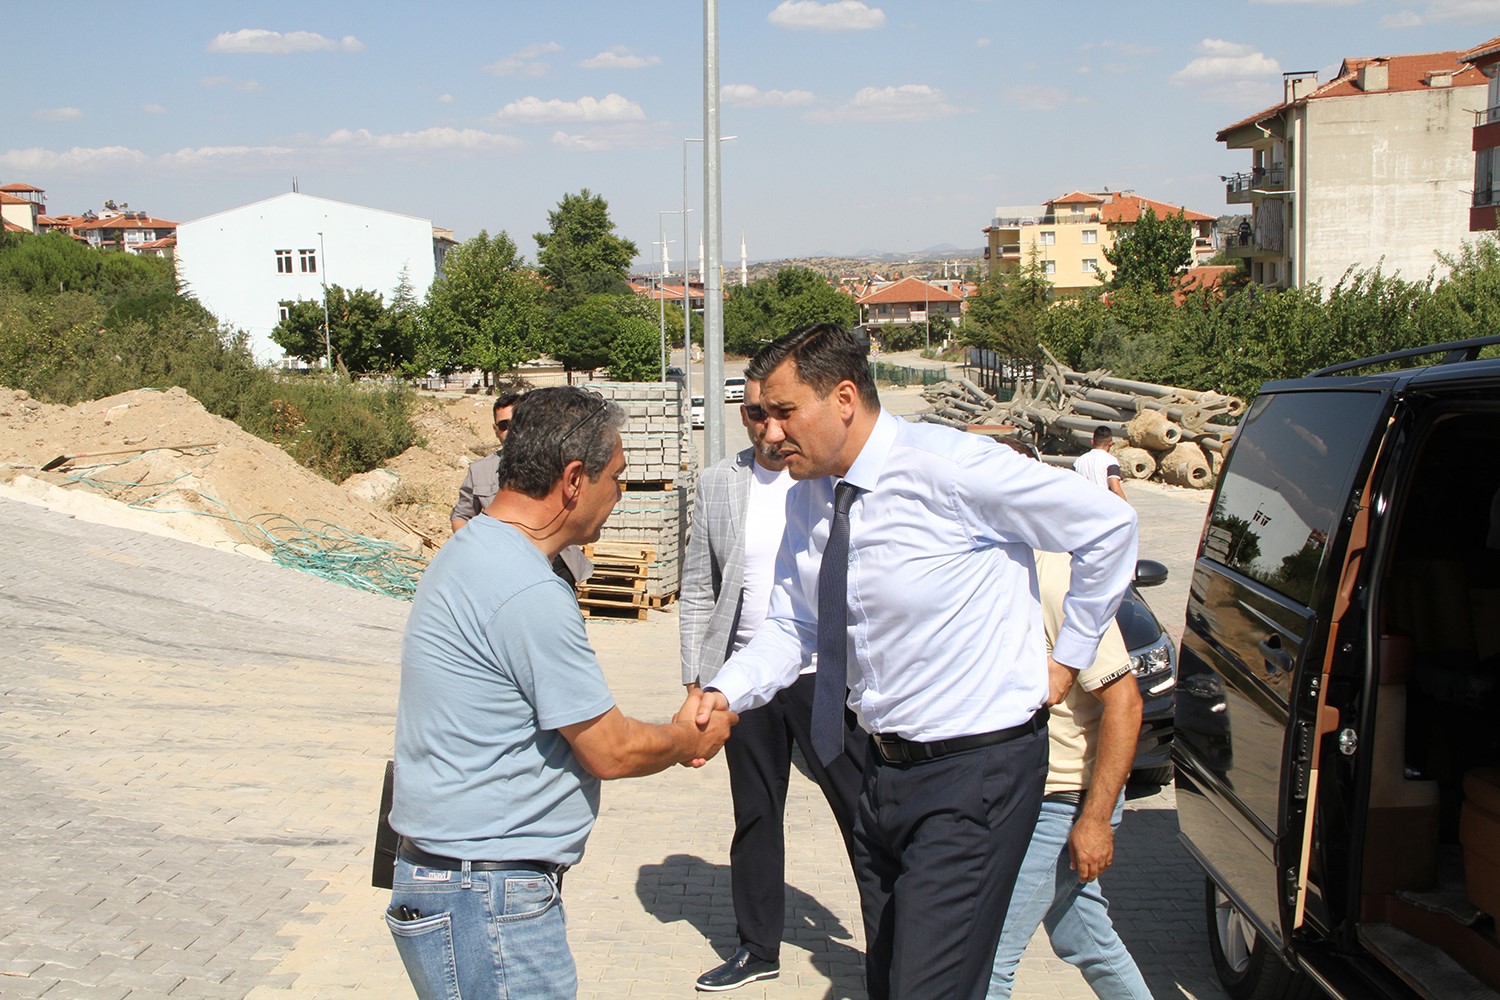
column 231, row 477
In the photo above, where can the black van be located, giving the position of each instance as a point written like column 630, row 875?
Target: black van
column 1338, row 708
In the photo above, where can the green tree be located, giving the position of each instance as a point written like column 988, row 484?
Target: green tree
column 1005, row 315
column 796, row 297
column 1151, row 254
column 360, row 333
column 580, row 254
column 635, row 353
column 582, row 336
column 484, row 312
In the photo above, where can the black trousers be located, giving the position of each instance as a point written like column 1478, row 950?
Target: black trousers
column 759, row 755
column 937, row 847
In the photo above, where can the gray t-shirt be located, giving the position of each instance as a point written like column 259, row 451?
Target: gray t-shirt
column 494, row 662
column 479, row 487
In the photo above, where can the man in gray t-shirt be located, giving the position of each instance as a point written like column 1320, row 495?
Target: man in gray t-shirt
column 482, row 481
column 505, row 724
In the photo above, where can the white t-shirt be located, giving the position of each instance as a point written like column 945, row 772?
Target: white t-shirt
column 1098, row 467
column 765, row 523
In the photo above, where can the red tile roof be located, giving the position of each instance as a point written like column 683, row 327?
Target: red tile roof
column 125, row 222
column 14, row 188
column 1478, row 54
column 161, row 244
column 11, row 227
column 909, row 290
column 1404, row 73
column 1197, row 279
column 1125, row 210
column 1078, row 198
column 10, row 199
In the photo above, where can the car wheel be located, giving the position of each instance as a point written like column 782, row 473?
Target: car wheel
column 1246, row 966
column 1152, row 775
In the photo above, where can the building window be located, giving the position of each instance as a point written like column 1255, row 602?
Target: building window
column 309, row 261
column 1049, row 267
column 283, row 262
column 1090, row 264
column 1049, row 239
column 1091, row 236
column 284, row 312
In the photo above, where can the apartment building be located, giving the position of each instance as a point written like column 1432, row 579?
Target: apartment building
column 1069, row 235
column 1486, row 59
column 1372, row 167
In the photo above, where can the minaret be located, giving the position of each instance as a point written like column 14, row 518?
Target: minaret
column 744, row 262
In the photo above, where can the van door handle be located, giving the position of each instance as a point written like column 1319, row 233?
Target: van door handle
column 1277, row 659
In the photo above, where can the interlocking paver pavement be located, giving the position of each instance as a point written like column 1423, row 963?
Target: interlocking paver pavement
column 192, row 744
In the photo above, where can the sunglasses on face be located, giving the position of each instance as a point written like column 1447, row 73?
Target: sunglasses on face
column 502, row 425
column 754, row 412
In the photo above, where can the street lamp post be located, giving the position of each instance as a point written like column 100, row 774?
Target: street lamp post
column 323, row 273
column 710, row 412
column 927, row 309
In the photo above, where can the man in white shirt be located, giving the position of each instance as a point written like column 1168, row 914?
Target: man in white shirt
column 942, row 644
column 1099, row 466
column 738, row 520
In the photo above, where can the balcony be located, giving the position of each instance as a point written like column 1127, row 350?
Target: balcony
column 1239, row 188
column 1488, row 116
column 1066, row 219
column 1486, row 129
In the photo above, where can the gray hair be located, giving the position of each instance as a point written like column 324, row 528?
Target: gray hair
column 552, row 427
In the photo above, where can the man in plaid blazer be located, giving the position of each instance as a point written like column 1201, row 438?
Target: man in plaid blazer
column 726, row 586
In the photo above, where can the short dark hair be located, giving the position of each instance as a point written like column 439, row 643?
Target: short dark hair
column 1102, row 434
column 825, row 355
column 507, row 400
column 552, row 427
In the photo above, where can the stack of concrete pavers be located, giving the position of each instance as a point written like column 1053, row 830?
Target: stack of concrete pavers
column 654, row 510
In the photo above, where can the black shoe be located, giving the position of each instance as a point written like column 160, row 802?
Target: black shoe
column 741, row 968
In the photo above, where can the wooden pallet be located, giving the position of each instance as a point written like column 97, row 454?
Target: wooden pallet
column 605, row 609
column 658, row 601
column 649, row 486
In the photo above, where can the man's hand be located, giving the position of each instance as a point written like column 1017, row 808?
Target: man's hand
column 1059, row 681
column 1091, row 848
column 711, row 726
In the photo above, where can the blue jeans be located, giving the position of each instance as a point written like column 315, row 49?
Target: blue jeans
column 1076, row 914
column 482, row 935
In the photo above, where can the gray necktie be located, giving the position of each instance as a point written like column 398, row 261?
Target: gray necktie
column 831, row 690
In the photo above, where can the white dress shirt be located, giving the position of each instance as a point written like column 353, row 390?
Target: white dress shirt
column 945, row 629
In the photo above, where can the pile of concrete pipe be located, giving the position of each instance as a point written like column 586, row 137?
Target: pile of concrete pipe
column 1160, row 431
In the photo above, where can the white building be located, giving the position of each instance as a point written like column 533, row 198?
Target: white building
column 243, row 263
column 1374, row 167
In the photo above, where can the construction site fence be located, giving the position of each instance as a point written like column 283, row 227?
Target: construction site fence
column 907, row 375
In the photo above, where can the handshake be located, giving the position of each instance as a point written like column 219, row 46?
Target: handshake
column 708, row 719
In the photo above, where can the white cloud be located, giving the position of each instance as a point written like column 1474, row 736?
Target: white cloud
column 1477, row 12
column 259, row 41
column 610, row 108
column 607, row 138
column 525, row 62
column 428, row 139
column 79, row 159
column 243, row 86
column 744, row 95
column 153, row 109
column 222, row 156
column 446, row 99
column 910, row 102
column 980, row 43
column 1220, row 61
column 1401, row 19
column 841, row 15
column 1038, row 98
column 620, row 57
column 57, row 114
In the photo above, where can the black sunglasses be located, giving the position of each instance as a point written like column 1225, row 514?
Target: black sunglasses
column 601, row 405
column 502, row 425
column 755, row 412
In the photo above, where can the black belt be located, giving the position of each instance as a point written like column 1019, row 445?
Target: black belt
column 413, row 854
column 899, row 750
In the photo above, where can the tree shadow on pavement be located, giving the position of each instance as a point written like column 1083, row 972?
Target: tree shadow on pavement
column 686, row 887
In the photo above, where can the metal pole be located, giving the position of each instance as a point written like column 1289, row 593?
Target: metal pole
column 927, row 309
column 661, row 292
column 687, row 297
column 713, row 297
column 323, row 273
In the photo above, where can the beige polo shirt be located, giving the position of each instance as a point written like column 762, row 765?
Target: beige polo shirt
column 1073, row 728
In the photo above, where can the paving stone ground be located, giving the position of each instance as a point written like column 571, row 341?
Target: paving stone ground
column 192, row 744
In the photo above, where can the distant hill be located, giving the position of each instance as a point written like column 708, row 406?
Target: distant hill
column 934, row 262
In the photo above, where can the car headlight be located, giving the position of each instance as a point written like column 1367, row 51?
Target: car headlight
column 1154, row 659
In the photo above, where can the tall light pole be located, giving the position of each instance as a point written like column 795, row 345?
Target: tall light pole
column 687, row 298
column 927, row 309
column 323, row 273
column 661, row 287
column 713, row 238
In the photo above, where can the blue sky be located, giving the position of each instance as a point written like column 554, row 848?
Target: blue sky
column 892, row 125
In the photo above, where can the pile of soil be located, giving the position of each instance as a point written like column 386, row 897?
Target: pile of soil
column 232, row 475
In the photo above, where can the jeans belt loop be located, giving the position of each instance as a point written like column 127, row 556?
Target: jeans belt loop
column 468, row 879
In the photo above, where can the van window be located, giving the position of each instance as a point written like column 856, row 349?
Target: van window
column 1290, row 475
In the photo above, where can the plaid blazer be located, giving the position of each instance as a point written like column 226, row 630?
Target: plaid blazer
column 713, row 575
